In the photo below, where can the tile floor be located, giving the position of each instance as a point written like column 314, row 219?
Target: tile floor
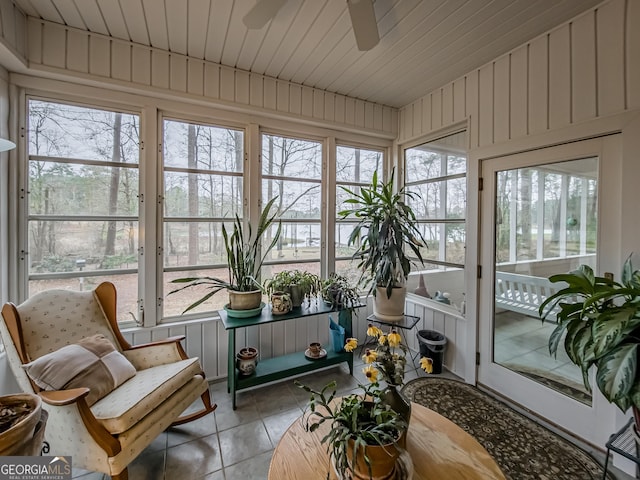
column 234, row 445
column 238, row 445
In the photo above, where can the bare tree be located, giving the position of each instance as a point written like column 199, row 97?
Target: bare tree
column 110, row 242
column 192, row 155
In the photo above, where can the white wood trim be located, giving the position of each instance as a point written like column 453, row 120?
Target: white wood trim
column 586, row 68
column 111, row 63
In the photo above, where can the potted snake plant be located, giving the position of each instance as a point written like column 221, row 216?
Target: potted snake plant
column 601, row 318
column 385, row 235
column 244, row 262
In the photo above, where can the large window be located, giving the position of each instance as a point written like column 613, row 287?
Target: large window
column 436, row 171
column 292, row 172
column 82, row 200
column 354, row 169
column 203, row 188
column 101, row 204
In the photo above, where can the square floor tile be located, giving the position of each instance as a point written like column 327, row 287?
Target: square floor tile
column 243, row 442
column 277, row 424
column 193, row 459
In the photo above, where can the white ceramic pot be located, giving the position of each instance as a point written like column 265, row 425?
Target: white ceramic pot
column 390, row 309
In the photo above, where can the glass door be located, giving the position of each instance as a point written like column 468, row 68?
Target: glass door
column 539, row 217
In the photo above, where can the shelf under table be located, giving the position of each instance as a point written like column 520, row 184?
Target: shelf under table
column 284, row 366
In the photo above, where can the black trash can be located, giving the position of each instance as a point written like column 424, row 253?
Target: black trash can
column 433, row 345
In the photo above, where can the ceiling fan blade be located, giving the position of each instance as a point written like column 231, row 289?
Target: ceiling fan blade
column 261, row 13
column 363, row 21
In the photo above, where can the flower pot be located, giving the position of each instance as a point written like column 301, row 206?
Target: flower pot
column 244, row 300
column 391, row 308
column 20, row 438
column 382, row 459
column 246, row 361
column 296, row 294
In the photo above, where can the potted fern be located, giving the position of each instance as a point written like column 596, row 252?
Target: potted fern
column 385, row 235
column 244, row 262
column 601, row 318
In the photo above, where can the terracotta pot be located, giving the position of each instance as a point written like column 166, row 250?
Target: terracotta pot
column 389, row 309
column 244, row 300
column 20, row 439
column 383, row 461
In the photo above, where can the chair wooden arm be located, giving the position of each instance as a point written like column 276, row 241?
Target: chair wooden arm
column 59, row 398
column 63, row 398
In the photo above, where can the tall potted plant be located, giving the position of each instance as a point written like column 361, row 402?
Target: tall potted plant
column 385, row 234
column 601, row 319
column 244, row 262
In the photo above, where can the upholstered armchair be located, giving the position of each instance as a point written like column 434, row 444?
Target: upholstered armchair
column 107, row 400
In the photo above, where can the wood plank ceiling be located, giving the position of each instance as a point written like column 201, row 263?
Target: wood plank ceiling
column 423, row 43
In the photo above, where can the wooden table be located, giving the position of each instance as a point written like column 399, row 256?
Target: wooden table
column 439, row 449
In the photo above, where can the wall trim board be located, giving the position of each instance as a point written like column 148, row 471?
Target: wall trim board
column 589, row 57
column 436, row 134
column 597, row 127
column 196, row 109
column 161, row 73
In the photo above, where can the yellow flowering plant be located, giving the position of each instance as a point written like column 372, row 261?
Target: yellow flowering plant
column 388, row 358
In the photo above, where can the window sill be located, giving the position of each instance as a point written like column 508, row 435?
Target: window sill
column 434, row 305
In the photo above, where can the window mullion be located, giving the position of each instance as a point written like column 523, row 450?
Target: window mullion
column 150, row 254
column 328, row 213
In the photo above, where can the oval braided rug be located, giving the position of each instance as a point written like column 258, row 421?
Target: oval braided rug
column 523, row 449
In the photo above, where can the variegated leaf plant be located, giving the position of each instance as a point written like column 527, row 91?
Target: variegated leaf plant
column 601, row 319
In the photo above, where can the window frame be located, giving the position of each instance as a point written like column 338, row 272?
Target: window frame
column 22, row 270
column 151, row 111
column 441, row 260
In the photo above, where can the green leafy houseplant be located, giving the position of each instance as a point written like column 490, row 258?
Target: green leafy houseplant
column 601, row 319
column 386, row 226
column 338, row 292
column 244, row 258
column 355, row 422
column 306, row 283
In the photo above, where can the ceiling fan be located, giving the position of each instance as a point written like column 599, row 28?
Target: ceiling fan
column 363, row 19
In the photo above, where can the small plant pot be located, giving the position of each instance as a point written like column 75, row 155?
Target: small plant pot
column 280, row 303
column 246, row 361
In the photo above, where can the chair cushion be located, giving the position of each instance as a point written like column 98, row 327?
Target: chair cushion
column 93, row 362
column 129, row 403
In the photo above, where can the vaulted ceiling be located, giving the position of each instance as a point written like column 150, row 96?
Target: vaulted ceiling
column 423, row 43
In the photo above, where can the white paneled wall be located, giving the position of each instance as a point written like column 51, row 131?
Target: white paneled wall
column 452, row 325
column 84, row 55
column 13, row 27
column 582, row 70
column 207, row 339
